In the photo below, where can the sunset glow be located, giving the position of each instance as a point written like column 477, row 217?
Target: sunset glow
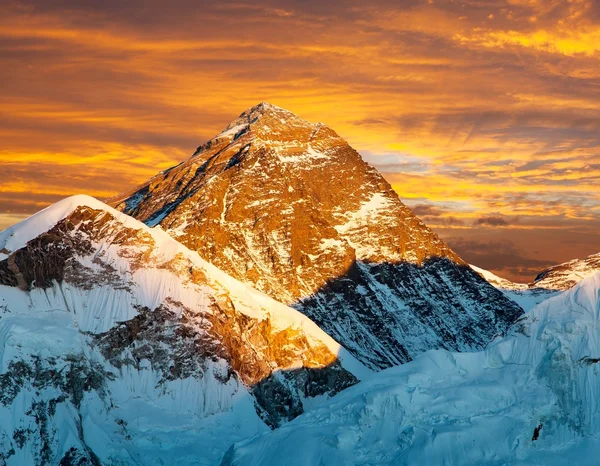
column 483, row 115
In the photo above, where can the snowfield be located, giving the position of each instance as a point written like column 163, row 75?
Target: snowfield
column 530, row 398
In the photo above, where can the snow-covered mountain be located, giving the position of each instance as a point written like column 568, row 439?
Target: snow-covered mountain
column 289, row 207
column 568, row 274
column 121, row 345
column 118, row 345
column 529, row 398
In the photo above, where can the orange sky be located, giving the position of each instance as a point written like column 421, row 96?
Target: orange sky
column 484, row 115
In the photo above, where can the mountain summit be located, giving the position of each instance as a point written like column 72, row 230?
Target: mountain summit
column 289, row 207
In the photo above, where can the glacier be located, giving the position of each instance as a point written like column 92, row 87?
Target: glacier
column 531, row 397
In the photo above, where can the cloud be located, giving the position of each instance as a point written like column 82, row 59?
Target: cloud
column 98, row 96
column 492, row 221
column 436, row 216
column 437, row 221
column 426, row 209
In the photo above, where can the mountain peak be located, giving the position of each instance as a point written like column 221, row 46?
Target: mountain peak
column 266, row 124
column 291, row 208
column 252, row 114
column 264, row 107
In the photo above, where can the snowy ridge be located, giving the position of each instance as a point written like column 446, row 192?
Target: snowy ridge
column 119, row 337
column 499, row 282
column 529, row 398
column 250, row 301
column 564, row 276
column 17, row 236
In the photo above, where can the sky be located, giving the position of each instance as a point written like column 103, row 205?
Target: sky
column 483, row 115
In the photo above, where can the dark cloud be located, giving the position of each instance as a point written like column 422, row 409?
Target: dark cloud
column 426, row 209
column 450, row 221
column 559, row 129
column 536, row 164
column 492, row 221
column 371, row 121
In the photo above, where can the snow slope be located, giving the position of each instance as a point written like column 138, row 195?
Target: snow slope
column 118, row 345
column 250, row 301
column 529, row 398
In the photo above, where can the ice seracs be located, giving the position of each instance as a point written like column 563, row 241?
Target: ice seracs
column 289, row 207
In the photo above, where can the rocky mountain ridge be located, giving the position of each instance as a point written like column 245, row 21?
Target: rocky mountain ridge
column 566, row 275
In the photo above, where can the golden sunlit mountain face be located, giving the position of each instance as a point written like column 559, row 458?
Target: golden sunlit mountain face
column 483, row 115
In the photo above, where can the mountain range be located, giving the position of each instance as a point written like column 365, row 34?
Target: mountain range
column 273, row 291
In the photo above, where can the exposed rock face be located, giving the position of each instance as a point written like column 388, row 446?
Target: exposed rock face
column 100, row 308
column 565, row 276
column 291, row 208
